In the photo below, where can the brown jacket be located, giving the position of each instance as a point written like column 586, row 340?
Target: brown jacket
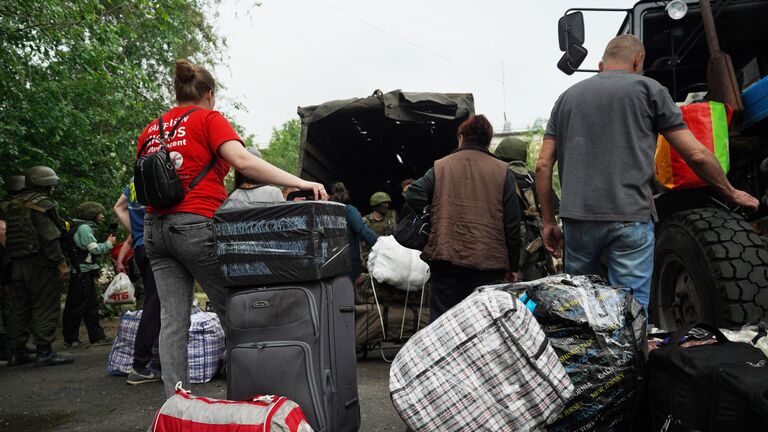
column 468, row 228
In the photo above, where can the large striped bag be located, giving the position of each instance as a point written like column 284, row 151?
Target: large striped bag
column 205, row 346
column 485, row 365
column 184, row 412
column 708, row 121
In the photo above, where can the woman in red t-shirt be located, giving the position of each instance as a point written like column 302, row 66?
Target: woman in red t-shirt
column 179, row 240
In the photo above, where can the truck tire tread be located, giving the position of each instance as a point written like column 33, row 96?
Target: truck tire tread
column 738, row 260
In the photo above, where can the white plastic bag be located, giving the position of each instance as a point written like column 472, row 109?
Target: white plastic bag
column 390, row 262
column 120, row 291
column 754, row 333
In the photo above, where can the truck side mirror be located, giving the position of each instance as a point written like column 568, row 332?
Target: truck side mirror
column 570, row 30
column 572, row 59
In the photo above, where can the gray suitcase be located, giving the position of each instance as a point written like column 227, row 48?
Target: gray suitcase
column 296, row 340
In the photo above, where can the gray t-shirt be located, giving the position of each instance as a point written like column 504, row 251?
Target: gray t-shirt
column 605, row 129
column 266, row 193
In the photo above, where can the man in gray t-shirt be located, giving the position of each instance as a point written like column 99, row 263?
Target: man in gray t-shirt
column 602, row 134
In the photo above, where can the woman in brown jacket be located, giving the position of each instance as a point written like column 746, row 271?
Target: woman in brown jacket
column 475, row 238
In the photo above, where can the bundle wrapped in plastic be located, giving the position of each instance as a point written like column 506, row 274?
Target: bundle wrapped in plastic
column 598, row 333
column 265, row 243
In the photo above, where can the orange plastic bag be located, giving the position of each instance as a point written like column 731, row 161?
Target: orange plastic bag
column 708, row 121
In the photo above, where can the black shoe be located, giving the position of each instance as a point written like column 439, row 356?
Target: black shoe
column 106, row 340
column 52, row 359
column 73, row 345
column 142, row 376
column 18, row 359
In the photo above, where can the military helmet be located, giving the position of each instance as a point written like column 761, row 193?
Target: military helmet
column 512, row 149
column 14, row 183
column 41, row 176
column 380, row 197
column 89, row 210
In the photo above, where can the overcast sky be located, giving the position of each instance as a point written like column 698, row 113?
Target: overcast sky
column 290, row 53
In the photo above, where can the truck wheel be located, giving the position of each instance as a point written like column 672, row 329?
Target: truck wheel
column 709, row 266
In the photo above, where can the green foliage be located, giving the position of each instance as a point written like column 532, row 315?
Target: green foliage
column 283, row 150
column 80, row 79
column 535, row 136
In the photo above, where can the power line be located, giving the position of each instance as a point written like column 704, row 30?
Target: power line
column 421, row 47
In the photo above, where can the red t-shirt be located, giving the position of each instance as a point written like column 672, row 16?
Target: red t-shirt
column 196, row 140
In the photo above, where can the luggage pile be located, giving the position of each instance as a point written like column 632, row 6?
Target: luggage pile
column 390, row 300
column 598, row 333
column 290, row 310
column 562, row 353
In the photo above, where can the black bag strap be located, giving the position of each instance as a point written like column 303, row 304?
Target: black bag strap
column 175, row 126
column 210, row 164
column 762, row 331
column 675, row 341
column 203, row 173
column 162, row 136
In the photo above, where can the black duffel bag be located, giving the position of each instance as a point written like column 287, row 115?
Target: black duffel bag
column 715, row 387
column 413, row 230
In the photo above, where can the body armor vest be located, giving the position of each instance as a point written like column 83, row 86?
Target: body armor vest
column 21, row 238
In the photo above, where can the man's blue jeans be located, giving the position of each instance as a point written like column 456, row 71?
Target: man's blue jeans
column 628, row 247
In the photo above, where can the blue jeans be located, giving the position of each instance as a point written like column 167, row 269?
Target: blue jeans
column 628, row 246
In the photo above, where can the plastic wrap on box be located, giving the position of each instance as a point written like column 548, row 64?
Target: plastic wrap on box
column 598, row 333
column 267, row 243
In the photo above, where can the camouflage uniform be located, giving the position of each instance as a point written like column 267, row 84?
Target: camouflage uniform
column 382, row 226
column 534, row 259
column 14, row 185
column 34, row 300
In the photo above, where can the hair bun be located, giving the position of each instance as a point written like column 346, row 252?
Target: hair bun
column 184, row 71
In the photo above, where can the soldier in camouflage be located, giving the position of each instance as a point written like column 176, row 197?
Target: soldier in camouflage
column 535, row 262
column 14, row 185
column 38, row 268
column 381, row 220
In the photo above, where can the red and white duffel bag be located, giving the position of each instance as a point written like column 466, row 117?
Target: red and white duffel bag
column 184, row 412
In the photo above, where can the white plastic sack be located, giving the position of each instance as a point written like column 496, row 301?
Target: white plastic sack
column 751, row 334
column 120, row 291
column 392, row 263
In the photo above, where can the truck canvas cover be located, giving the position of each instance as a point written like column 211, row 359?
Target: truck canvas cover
column 372, row 144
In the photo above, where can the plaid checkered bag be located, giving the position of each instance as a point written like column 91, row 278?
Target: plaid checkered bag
column 121, row 354
column 205, row 348
column 483, row 365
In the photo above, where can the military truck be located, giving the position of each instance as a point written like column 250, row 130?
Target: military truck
column 373, row 143
column 711, row 263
